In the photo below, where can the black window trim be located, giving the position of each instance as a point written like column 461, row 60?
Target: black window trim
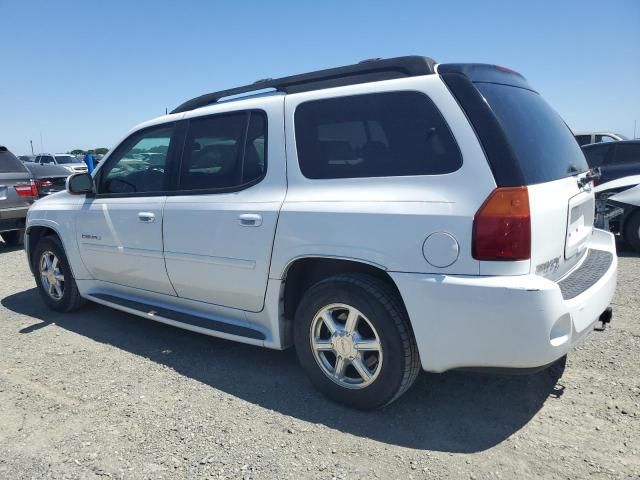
column 177, row 191
column 378, row 92
column 174, row 141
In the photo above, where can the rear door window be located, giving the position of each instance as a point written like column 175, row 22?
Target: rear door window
column 374, row 135
column 544, row 147
column 224, row 152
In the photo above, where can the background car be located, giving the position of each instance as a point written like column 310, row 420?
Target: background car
column 49, row 178
column 17, row 192
column 72, row 163
column 585, row 138
column 615, row 159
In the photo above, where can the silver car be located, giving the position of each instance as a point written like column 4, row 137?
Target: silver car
column 17, row 192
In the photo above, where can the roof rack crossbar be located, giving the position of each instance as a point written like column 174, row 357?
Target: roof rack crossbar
column 365, row 71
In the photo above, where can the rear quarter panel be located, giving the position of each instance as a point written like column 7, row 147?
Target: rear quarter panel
column 383, row 221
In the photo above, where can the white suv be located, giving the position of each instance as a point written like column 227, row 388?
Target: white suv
column 381, row 217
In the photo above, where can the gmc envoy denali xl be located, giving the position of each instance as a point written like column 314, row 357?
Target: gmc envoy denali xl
column 381, row 217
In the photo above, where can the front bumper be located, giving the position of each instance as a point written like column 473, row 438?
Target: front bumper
column 519, row 322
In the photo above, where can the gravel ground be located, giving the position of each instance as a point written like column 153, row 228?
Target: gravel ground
column 100, row 393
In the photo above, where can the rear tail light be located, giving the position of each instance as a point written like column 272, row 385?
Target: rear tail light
column 43, row 183
column 27, row 189
column 502, row 226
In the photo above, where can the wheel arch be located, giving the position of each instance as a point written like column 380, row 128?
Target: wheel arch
column 33, row 234
column 303, row 272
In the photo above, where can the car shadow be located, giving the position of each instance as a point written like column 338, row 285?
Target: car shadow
column 4, row 248
column 451, row 412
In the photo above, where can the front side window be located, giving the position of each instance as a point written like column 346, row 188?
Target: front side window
column 224, row 151
column 604, row 138
column 47, row 159
column 374, row 135
column 139, row 165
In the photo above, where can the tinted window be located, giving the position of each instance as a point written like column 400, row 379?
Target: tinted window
column 627, row 153
column 543, row 145
column 9, row 163
column 139, row 164
column 604, row 138
column 217, row 154
column 375, row 135
column 67, row 159
column 583, row 139
column 596, row 154
column 47, row 159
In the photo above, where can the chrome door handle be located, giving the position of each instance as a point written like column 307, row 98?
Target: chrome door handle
column 146, row 217
column 250, row 220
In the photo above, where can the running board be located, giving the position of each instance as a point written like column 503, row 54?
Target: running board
column 152, row 311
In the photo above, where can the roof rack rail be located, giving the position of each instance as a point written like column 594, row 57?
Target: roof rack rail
column 369, row 70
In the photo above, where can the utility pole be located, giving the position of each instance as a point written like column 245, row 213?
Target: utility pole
column 31, row 142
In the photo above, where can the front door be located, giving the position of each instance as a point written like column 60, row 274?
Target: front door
column 119, row 231
column 219, row 228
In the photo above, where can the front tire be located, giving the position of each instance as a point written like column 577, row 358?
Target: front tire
column 56, row 284
column 632, row 231
column 354, row 341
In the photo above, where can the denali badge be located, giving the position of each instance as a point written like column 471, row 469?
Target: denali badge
column 91, row 237
column 548, row 267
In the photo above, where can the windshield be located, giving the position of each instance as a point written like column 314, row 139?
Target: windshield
column 67, row 159
column 545, row 148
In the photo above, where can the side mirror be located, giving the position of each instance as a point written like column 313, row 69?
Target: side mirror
column 80, row 184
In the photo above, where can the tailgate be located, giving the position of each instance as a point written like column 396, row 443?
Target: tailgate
column 562, row 215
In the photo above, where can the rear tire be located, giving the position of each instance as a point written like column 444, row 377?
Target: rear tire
column 632, row 230
column 368, row 357
column 13, row 238
column 54, row 278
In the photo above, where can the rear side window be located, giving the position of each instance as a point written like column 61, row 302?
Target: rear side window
column 596, row 154
column 374, row 135
column 583, row 139
column 626, row 153
column 9, row 163
column 224, row 152
column 543, row 145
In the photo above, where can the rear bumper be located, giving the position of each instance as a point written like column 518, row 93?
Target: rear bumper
column 13, row 213
column 12, row 218
column 503, row 321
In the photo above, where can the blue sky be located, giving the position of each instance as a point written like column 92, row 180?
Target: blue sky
column 82, row 73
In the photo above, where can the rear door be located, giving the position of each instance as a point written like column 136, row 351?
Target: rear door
column 220, row 224
column 550, row 163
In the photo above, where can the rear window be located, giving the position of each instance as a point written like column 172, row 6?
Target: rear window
column 67, row 159
column 543, row 145
column 627, row 153
column 596, row 154
column 9, row 163
column 374, row 135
